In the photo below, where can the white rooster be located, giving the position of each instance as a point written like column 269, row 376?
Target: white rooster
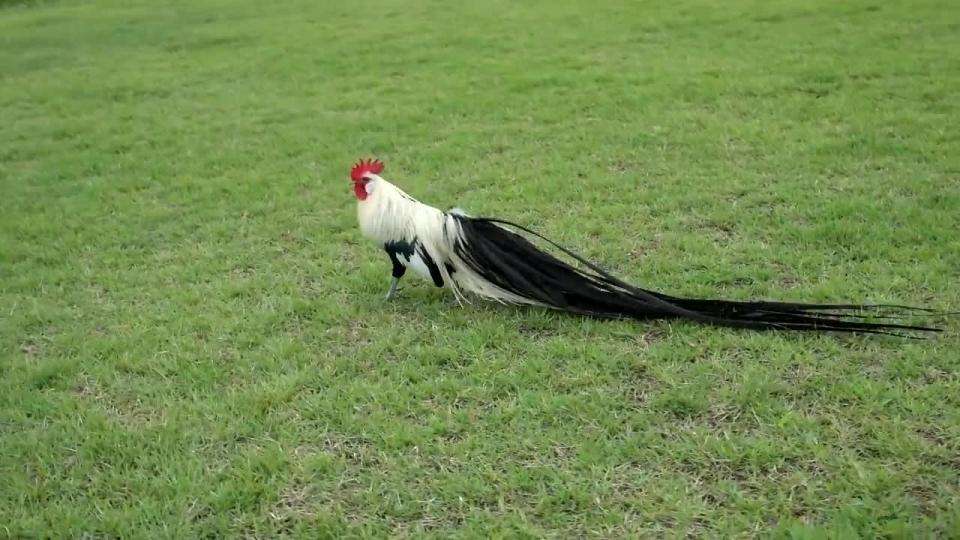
column 481, row 256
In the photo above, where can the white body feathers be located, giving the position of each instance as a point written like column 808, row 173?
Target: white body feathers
column 388, row 215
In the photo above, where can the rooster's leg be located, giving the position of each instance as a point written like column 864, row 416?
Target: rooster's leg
column 398, row 270
column 393, row 288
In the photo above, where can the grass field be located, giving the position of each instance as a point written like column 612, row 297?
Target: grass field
column 193, row 339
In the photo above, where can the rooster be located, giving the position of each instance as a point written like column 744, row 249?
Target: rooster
column 485, row 257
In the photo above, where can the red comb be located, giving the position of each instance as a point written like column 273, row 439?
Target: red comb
column 363, row 167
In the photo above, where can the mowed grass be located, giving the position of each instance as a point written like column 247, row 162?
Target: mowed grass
column 193, row 335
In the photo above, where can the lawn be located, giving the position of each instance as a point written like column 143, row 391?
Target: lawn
column 193, row 336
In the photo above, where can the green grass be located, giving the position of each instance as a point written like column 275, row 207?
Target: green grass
column 192, row 334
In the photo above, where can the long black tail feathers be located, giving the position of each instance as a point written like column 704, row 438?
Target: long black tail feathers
column 516, row 265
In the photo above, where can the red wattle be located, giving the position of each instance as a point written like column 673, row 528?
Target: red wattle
column 359, row 190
